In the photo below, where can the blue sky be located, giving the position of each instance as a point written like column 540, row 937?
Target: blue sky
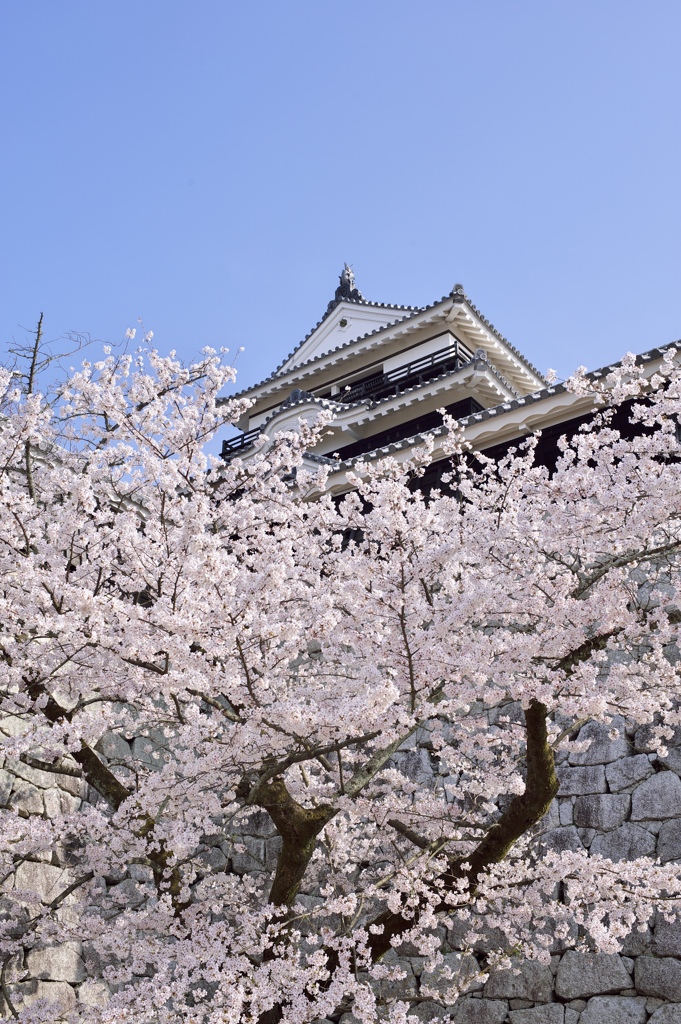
column 208, row 167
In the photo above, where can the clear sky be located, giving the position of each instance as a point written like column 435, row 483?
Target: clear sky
column 208, row 166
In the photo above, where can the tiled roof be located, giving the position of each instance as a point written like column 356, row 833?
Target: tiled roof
column 410, row 313
column 501, row 337
column 412, row 310
column 300, row 397
column 476, row 417
column 485, row 414
column 332, row 306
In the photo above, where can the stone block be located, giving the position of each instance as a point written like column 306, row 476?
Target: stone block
column 6, row 783
column 643, row 740
column 141, row 873
column 113, row 747
column 669, row 841
column 552, row 817
column 425, row 1012
column 565, row 812
column 13, row 725
column 586, row 835
column 627, row 772
column 59, row 993
column 669, row 1014
column 452, row 787
column 625, row 843
column 258, row 823
column 480, row 1011
column 252, row 858
column 46, row 880
column 210, row 861
column 397, row 988
column 552, row 1013
column 601, row 811
column 464, row 971
column 415, row 764
column 510, row 713
column 658, row 797
column 57, row 802
column 602, row 749
column 48, row 780
column 149, row 750
column 658, row 977
column 128, row 892
column 272, row 851
column 27, row 797
column 576, row 781
column 562, row 935
column 672, row 759
column 581, row 975
column 96, row 962
column 667, row 941
column 532, row 980
column 637, row 942
column 94, row 993
column 37, row 777
column 614, row 1010
column 560, row 839
column 458, row 935
column 57, row 963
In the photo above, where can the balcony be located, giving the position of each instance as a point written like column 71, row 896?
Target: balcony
column 234, row 445
column 418, row 371
column 380, row 386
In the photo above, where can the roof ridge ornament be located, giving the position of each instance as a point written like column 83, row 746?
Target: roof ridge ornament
column 297, row 395
column 346, row 289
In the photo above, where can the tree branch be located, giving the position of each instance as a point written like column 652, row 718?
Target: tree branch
column 46, row 766
column 524, row 811
column 408, row 833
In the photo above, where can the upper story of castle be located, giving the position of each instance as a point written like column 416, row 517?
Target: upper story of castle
column 386, row 371
column 379, row 363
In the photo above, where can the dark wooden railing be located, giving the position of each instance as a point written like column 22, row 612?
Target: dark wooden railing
column 418, row 371
column 384, row 385
column 233, row 445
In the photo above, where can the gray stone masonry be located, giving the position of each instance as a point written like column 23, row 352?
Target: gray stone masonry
column 659, row 977
column 603, row 749
column 601, row 811
column 669, row 1014
column 615, row 1010
column 552, row 1014
column 659, row 797
column 618, row 799
column 576, row 781
column 533, row 981
column 625, row 774
column 581, row 975
column 624, row 843
column 667, row 941
column 669, row 841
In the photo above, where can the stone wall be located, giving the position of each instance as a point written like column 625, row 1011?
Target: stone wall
column 617, row 798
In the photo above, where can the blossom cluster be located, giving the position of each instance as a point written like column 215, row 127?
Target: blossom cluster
column 199, row 643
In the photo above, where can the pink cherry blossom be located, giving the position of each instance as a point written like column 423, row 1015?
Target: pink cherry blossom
column 213, row 652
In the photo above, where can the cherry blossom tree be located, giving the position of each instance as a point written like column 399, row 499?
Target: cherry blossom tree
column 385, row 681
